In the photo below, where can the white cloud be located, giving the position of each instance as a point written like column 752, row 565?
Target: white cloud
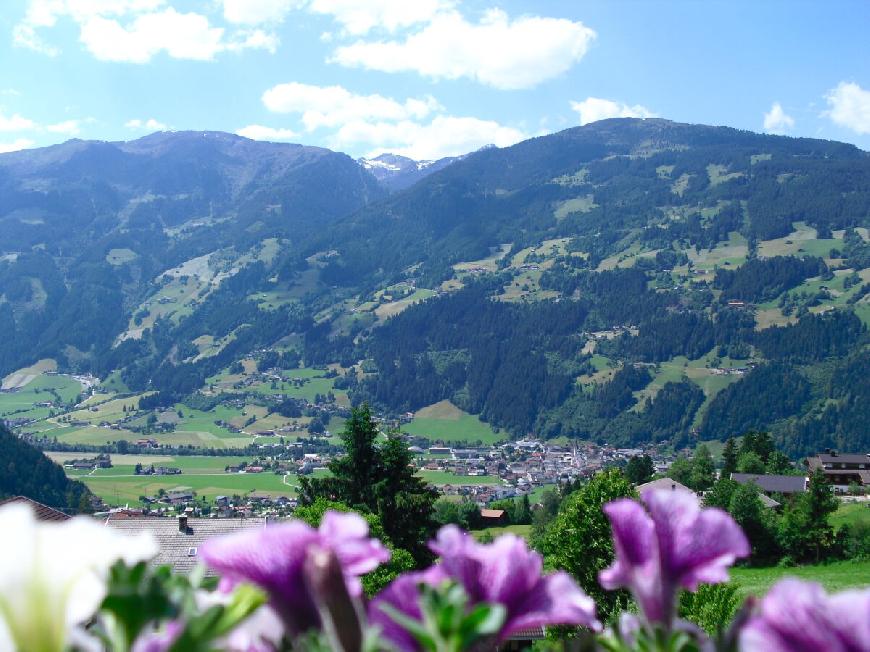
column 593, row 109
column 260, row 132
column 45, row 14
column 134, row 31
column 149, row 125
column 330, row 106
column 496, row 51
column 15, row 122
column 182, row 36
column 444, row 136
column 15, row 145
column 67, row 127
column 777, row 121
column 359, row 18
column 256, row 12
column 849, row 106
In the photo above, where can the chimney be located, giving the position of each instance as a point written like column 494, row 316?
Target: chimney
column 182, row 524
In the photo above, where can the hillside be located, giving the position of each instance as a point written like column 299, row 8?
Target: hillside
column 627, row 281
column 27, row 472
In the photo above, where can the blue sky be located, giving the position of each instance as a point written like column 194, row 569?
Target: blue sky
column 427, row 78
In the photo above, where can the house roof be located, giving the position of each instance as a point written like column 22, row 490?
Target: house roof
column 841, row 458
column 768, row 502
column 178, row 549
column 663, row 483
column 42, row 512
column 492, row 513
column 783, row 484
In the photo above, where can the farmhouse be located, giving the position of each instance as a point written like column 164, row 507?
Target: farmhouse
column 841, row 470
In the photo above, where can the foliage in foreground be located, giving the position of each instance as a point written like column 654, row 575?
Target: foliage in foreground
column 78, row 585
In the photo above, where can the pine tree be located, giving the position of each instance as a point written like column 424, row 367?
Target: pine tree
column 729, row 458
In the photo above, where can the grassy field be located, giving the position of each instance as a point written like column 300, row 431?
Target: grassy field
column 448, row 423
column 520, row 530
column 851, row 514
column 120, row 490
column 441, row 478
column 21, row 404
column 203, row 474
column 834, row 577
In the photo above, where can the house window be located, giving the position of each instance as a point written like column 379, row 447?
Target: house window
column 191, row 552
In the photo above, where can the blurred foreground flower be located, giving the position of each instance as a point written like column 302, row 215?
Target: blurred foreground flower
column 798, row 616
column 274, row 559
column 504, row 573
column 53, row 576
column 673, row 545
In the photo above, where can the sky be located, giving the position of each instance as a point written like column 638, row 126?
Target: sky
column 427, row 78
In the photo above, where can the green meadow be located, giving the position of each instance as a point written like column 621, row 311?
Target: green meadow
column 446, row 422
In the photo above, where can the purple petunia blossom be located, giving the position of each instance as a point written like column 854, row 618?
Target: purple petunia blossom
column 674, row 545
column 505, row 572
column 273, row 558
column 798, row 616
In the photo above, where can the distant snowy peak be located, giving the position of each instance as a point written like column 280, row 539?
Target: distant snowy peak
column 397, row 172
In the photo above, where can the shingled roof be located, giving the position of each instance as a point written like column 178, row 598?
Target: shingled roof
column 179, row 542
column 781, row 484
column 42, row 512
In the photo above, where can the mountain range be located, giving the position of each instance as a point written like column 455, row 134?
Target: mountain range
column 626, row 281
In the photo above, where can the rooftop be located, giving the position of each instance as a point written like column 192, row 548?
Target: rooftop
column 42, row 512
column 180, row 549
column 784, row 484
column 663, row 483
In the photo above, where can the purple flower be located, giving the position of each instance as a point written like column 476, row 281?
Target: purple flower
column 505, row 572
column 159, row 641
column 798, row 616
column 676, row 544
column 273, row 558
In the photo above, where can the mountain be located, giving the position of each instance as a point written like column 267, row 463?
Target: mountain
column 626, row 281
column 89, row 226
column 397, row 172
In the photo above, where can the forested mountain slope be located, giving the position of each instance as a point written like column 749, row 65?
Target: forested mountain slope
column 28, row 472
column 628, row 281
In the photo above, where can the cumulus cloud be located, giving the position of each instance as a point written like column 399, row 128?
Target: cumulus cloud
column 444, row 135
column 359, row 18
column 849, row 106
column 67, row 128
column 256, row 12
column 777, row 121
column 15, row 122
column 15, row 145
column 260, row 132
column 330, row 106
column 417, row 127
column 134, row 31
column 593, row 109
column 148, row 125
column 497, row 51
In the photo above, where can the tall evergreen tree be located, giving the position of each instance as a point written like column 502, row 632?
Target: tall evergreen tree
column 729, row 458
column 381, row 480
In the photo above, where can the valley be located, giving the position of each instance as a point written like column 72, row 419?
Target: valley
column 634, row 283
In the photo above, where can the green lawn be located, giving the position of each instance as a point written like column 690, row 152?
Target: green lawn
column 118, row 490
column 834, row 577
column 851, row 514
column 440, row 478
column 203, row 474
column 20, row 404
column 520, row 530
column 448, row 423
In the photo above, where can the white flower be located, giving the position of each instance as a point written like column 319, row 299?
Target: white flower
column 53, row 575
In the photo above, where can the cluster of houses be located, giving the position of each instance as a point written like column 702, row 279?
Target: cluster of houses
column 102, row 461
